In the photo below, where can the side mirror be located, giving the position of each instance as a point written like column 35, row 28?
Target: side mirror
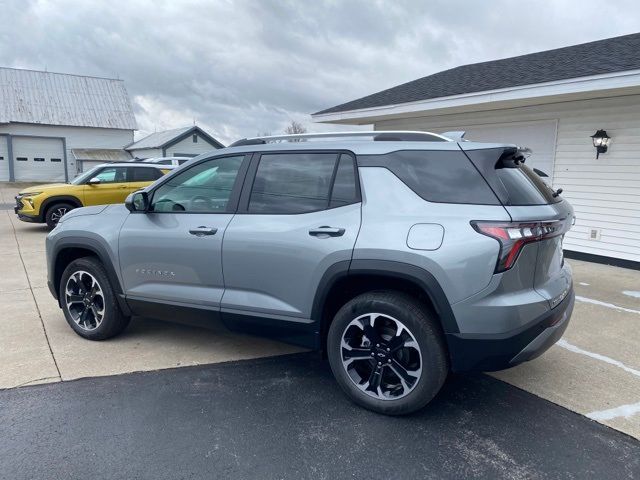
column 93, row 181
column 137, row 201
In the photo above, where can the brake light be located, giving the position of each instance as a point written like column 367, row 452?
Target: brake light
column 513, row 236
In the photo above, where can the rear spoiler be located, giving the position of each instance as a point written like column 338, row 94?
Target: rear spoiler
column 513, row 156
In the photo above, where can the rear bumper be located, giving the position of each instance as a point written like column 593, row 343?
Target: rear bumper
column 489, row 352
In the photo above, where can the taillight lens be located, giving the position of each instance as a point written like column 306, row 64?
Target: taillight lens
column 512, row 236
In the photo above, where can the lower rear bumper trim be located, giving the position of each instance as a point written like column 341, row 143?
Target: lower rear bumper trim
column 486, row 352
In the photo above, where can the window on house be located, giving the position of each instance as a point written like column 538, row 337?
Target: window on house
column 195, row 138
column 38, row 159
column 56, row 159
column 21, row 159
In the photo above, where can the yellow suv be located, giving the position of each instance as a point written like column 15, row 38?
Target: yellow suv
column 107, row 183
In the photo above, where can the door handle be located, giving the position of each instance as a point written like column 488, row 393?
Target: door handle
column 202, row 231
column 329, row 231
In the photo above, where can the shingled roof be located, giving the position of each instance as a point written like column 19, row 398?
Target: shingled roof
column 601, row 57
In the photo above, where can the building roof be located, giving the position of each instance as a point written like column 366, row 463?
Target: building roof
column 29, row 96
column 600, row 57
column 167, row 138
column 101, row 154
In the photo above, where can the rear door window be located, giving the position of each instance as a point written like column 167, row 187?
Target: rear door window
column 290, row 183
column 144, row 174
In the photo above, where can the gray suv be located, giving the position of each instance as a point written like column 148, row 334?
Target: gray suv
column 401, row 255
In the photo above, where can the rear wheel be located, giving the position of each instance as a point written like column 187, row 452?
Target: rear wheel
column 55, row 212
column 88, row 301
column 387, row 353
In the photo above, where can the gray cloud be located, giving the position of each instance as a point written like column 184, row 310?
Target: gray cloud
column 239, row 68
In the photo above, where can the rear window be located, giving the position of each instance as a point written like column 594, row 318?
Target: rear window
column 525, row 187
column 436, row 176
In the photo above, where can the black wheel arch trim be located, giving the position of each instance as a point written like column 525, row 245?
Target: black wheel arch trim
column 387, row 268
column 58, row 199
column 100, row 251
column 418, row 275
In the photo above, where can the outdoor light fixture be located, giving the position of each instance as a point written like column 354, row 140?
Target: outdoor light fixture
column 601, row 141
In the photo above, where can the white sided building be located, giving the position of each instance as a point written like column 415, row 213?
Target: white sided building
column 180, row 142
column 45, row 116
column 552, row 102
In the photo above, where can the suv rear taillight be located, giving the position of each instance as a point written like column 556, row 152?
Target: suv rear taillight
column 512, row 236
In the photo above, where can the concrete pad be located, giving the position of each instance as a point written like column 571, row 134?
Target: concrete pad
column 35, row 264
column 8, row 190
column 30, row 236
column 606, row 283
column 605, row 331
column 579, row 383
column 12, row 274
column 146, row 345
column 24, row 352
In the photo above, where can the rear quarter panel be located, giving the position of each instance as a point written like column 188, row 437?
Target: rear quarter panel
column 464, row 261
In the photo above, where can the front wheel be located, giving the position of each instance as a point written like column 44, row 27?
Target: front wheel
column 387, row 352
column 88, row 301
column 56, row 212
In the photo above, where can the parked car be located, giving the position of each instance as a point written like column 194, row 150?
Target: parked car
column 173, row 161
column 103, row 184
column 403, row 258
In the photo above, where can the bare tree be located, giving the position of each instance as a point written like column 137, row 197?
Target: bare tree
column 295, row 128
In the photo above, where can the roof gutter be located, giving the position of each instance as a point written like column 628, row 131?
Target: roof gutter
column 594, row 83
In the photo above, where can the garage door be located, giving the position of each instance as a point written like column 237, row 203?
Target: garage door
column 38, row 159
column 4, row 160
column 538, row 136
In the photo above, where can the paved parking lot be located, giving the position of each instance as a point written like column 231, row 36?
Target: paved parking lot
column 594, row 370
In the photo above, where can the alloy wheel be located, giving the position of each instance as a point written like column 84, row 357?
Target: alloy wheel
column 85, row 300
column 58, row 213
column 381, row 356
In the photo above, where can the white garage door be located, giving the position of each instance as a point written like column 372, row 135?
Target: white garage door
column 38, row 159
column 4, row 160
column 538, row 136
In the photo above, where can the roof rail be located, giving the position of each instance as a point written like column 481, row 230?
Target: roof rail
column 378, row 136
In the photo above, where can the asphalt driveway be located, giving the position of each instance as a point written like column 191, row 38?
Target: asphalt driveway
column 285, row 418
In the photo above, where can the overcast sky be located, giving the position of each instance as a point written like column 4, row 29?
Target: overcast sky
column 239, row 68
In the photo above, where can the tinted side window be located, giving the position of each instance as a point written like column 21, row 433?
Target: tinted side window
column 292, row 183
column 203, row 188
column 436, row 176
column 141, row 174
column 344, row 190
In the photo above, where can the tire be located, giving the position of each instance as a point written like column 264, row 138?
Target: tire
column 422, row 360
column 96, row 317
column 55, row 212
